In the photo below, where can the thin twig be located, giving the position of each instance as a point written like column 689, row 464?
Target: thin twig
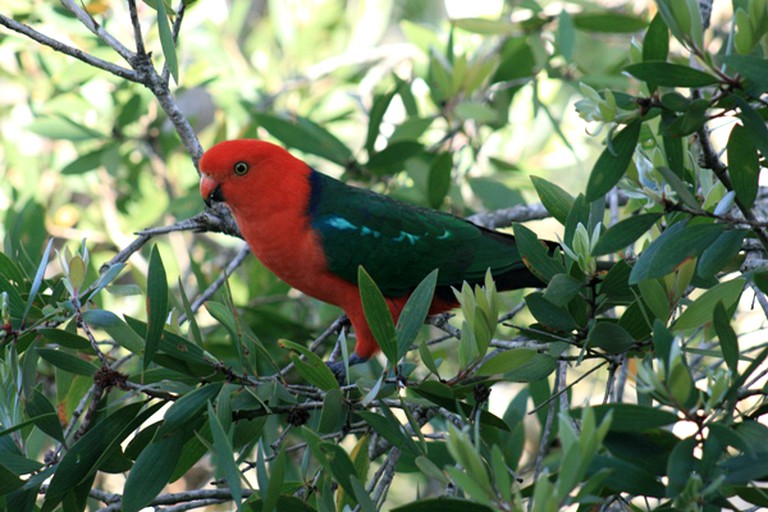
column 184, row 497
column 386, row 477
column 219, row 282
column 87, row 20
column 333, row 328
column 78, row 54
column 202, row 222
column 711, row 160
column 138, row 37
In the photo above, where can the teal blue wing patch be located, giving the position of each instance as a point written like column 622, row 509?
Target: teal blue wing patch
column 399, row 244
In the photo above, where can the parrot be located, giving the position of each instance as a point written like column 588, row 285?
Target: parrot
column 314, row 231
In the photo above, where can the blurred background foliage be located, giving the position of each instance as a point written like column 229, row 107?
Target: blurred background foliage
column 451, row 105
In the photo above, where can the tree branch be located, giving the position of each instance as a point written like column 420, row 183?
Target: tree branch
column 87, row 20
column 58, row 46
column 711, row 161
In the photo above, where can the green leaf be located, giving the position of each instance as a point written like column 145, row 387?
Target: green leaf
column 557, row 201
column 626, row 477
column 670, row 75
column 332, row 412
column 152, row 470
column 88, row 161
column 391, row 159
column 116, row 328
column 610, row 337
column 40, row 409
column 562, row 288
column 678, row 243
column 729, row 342
column 37, row 281
column 376, row 115
column 506, row 361
column 84, row 457
column 743, row 165
column 312, row 368
column 566, row 35
column 414, row 313
column 484, row 25
column 535, row 254
column 751, row 68
column 720, row 253
column 187, row 409
column 166, row 40
column 692, row 120
column 673, row 147
column 608, row 22
column 222, row 448
column 555, row 317
column 157, row 303
column 439, row 179
column 9, row 482
column 675, row 101
column 65, row 338
column 391, row 430
column 655, row 298
column 619, row 236
column 613, row 161
column 60, row 127
column 702, row 309
column 754, row 124
column 194, row 329
column 378, row 316
column 67, row 362
column 656, row 41
column 306, row 136
column 537, row 368
column 630, row 417
column 477, row 111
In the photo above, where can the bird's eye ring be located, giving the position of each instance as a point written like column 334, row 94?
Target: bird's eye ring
column 241, row 168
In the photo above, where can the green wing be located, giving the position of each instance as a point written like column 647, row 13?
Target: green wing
column 399, row 244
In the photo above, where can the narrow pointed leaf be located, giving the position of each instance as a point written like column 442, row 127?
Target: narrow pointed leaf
column 624, row 233
column 670, row 75
column 41, row 410
column 674, row 246
column 82, row 459
column 535, row 254
column 378, row 316
column 225, row 457
column 743, row 165
column 37, row 281
column 187, row 409
column 414, row 313
column 166, row 40
column 557, row 201
column 157, row 303
column 312, row 368
column 67, row 362
column 729, row 342
column 701, row 311
column 152, row 471
column 613, row 162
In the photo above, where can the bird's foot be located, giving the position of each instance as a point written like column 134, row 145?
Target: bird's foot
column 339, row 369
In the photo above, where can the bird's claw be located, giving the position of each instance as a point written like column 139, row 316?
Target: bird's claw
column 339, row 369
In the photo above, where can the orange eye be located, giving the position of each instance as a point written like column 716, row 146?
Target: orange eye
column 241, row 168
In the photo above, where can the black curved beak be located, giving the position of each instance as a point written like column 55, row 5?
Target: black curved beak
column 216, row 196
